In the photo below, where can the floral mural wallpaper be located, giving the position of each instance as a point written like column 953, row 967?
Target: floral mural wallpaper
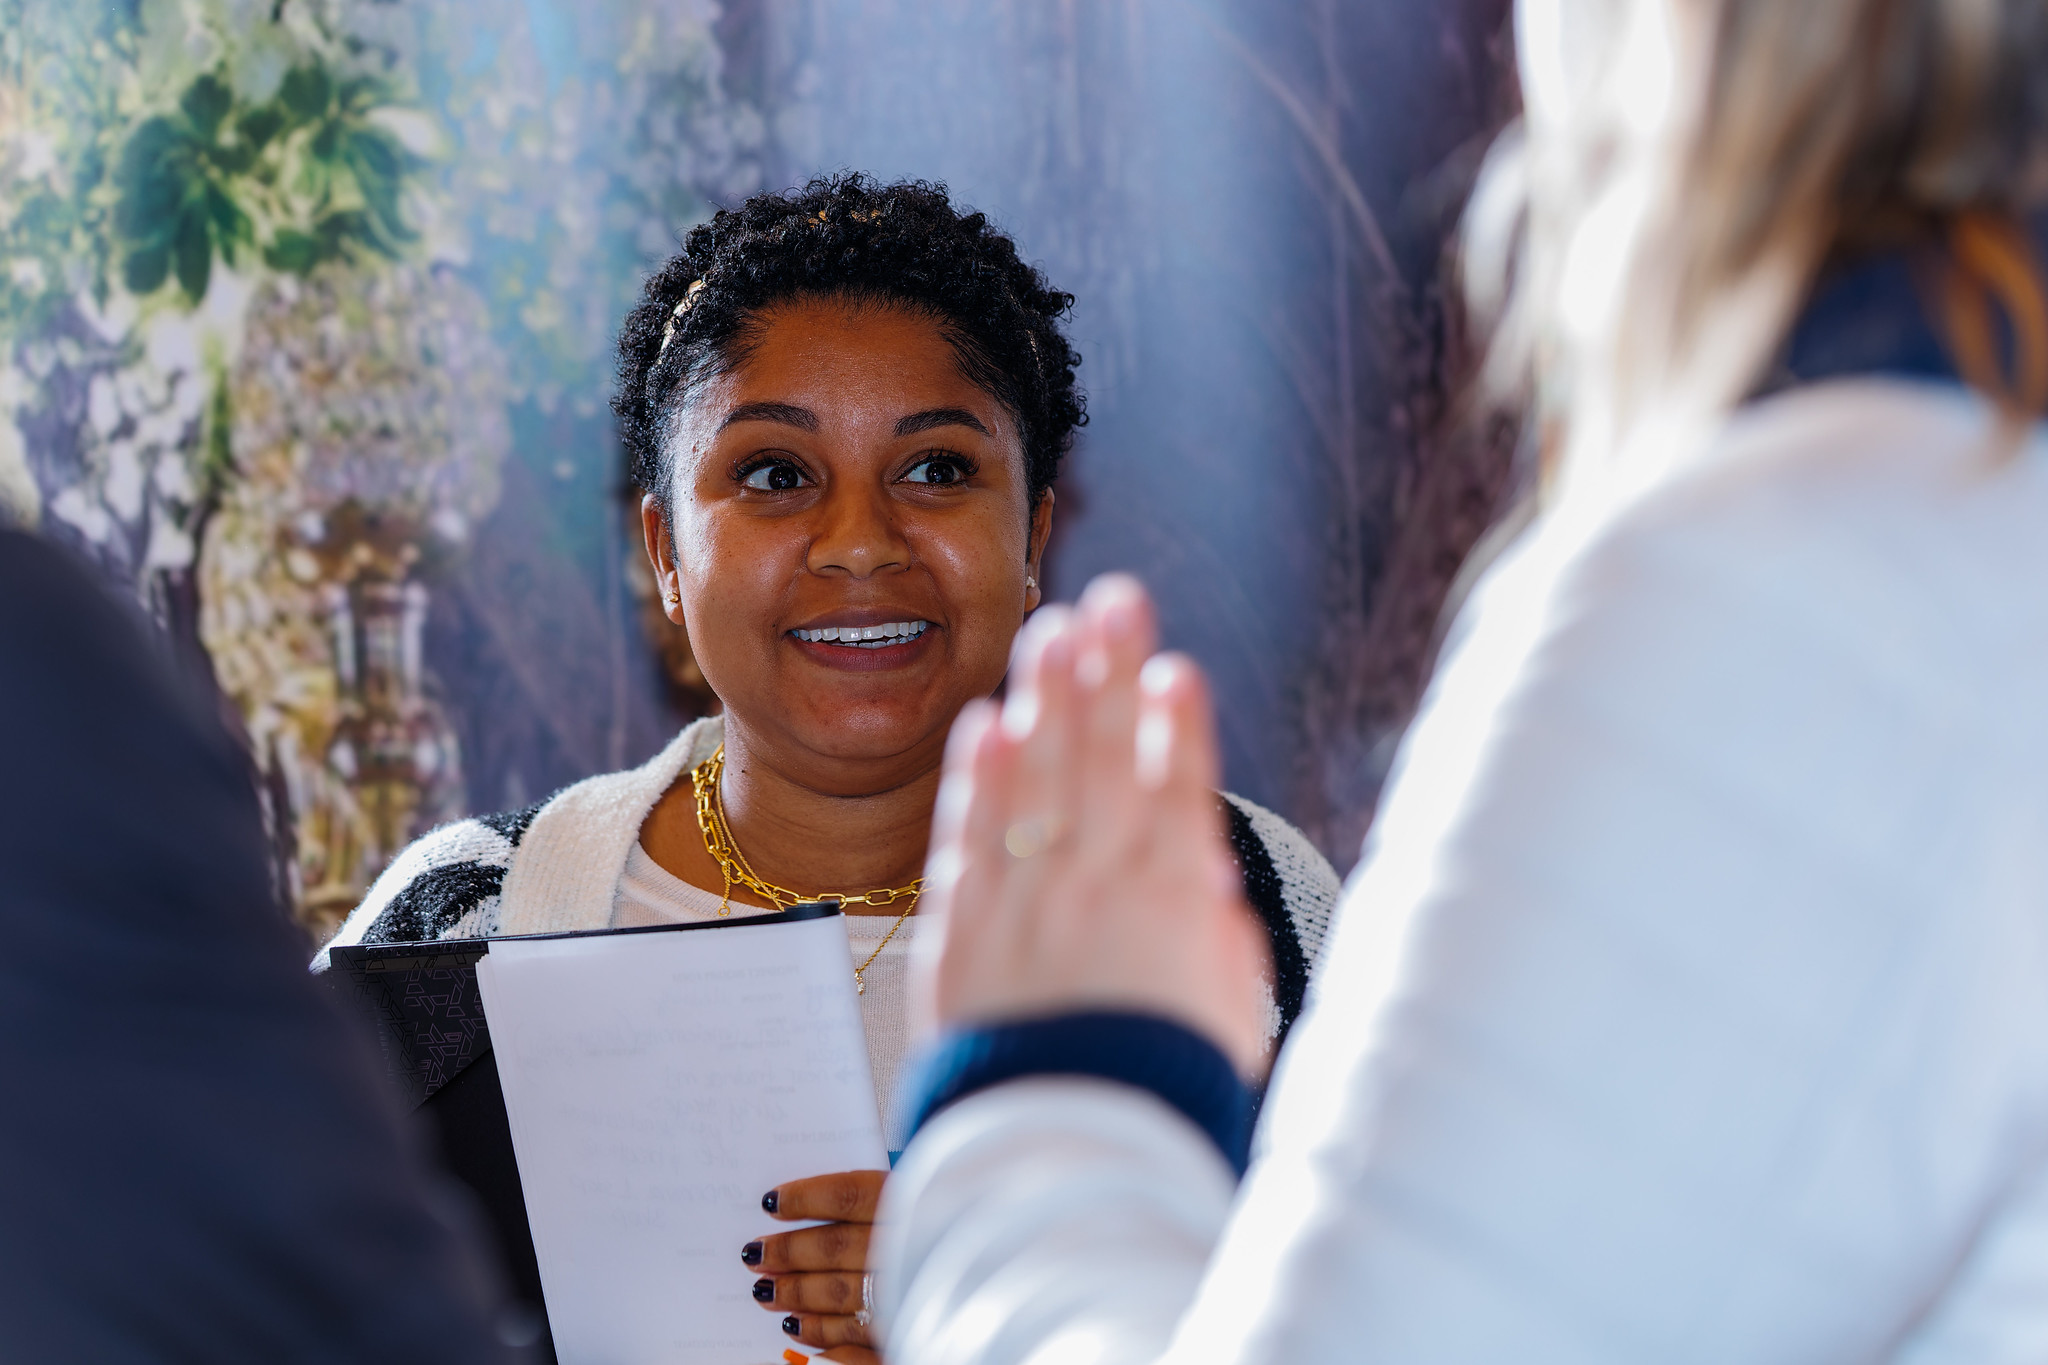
column 306, row 311
column 292, row 294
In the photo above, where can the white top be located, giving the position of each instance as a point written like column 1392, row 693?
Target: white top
column 1692, row 1002
column 649, row 893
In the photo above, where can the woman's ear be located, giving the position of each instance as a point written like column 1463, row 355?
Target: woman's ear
column 661, row 554
column 1034, row 551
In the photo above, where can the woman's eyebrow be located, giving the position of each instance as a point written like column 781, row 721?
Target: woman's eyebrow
column 939, row 417
column 788, row 414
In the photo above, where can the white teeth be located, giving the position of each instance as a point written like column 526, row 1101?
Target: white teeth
column 861, row 636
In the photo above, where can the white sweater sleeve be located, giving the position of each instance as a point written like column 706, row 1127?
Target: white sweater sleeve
column 1692, row 1004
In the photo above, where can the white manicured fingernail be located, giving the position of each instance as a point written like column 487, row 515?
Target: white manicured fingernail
column 1158, row 675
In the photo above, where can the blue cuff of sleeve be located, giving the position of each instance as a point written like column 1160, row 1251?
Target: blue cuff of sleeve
column 1177, row 1064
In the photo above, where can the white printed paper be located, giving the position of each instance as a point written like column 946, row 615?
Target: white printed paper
column 658, row 1084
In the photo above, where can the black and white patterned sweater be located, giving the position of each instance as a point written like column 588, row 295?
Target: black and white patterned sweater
column 555, row 867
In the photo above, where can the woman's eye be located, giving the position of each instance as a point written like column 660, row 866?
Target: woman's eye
column 939, row 469
column 778, row 477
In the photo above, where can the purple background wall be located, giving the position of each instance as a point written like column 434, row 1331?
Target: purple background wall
column 1251, row 201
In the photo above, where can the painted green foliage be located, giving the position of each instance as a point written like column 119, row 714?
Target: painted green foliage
column 284, row 286
column 54, row 102
column 301, row 178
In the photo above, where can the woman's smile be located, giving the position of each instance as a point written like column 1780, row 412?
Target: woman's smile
column 859, row 642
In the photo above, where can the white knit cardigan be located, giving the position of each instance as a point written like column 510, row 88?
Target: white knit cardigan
column 555, row 867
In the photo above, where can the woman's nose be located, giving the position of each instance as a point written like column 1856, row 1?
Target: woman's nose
column 857, row 537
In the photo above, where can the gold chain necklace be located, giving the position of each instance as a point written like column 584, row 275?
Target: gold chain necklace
column 733, row 866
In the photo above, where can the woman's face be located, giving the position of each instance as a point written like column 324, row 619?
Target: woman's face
column 847, row 478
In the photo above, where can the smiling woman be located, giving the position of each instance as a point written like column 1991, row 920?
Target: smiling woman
column 846, row 407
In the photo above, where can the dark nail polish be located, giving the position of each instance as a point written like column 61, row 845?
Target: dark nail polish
column 771, row 1201
column 791, row 1325
column 750, row 1254
column 764, row 1290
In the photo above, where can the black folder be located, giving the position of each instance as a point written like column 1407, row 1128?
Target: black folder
column 429, row 1018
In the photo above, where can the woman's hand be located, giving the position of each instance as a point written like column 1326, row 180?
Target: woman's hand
column 814, row 1276
column 1078, row 858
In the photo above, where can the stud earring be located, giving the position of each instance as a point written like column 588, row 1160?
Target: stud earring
column 1029, row 581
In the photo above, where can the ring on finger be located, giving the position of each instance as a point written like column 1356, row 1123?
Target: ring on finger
column 1031, row 837
column 865, row 1314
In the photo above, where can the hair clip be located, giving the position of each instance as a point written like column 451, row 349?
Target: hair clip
column 668, row 333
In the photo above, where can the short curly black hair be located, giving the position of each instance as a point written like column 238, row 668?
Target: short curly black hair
column 846, row 236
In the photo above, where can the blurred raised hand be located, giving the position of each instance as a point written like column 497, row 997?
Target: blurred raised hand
column 1078, row 859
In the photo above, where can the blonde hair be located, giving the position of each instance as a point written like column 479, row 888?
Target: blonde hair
column 1683, row 169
